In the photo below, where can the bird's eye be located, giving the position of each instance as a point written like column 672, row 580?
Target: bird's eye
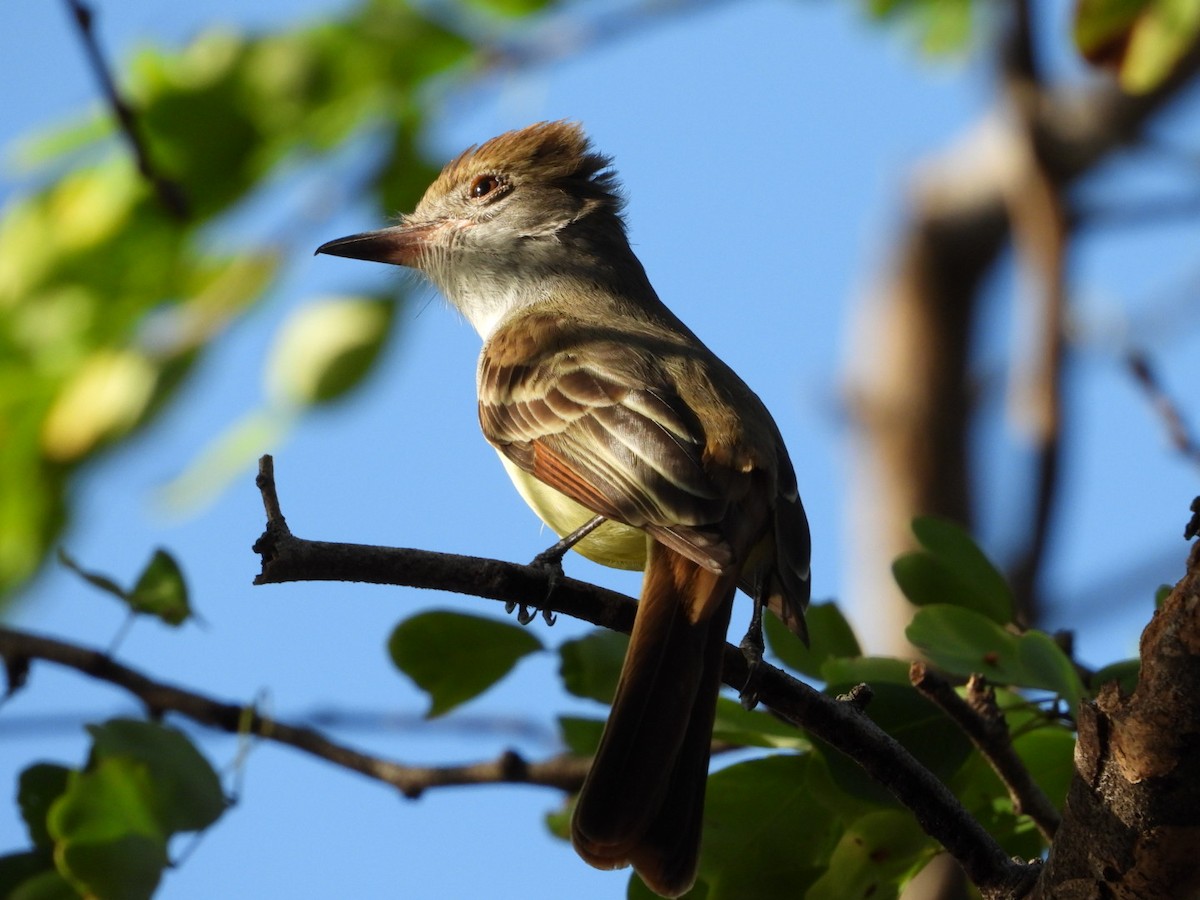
column 483, row 185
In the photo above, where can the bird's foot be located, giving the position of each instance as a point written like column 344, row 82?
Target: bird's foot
column 752, row 649
column 550, row 562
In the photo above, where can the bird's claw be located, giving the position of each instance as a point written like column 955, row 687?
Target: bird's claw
column 752, row 649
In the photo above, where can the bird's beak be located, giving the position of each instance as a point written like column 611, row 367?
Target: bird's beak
column 400, row 245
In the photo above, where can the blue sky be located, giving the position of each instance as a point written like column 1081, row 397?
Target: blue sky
column 765, row 148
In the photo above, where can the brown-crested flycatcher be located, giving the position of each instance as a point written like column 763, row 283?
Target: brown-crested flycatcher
column 601, row 402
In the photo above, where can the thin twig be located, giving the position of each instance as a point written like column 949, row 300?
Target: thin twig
column 1178, row 432
column 842, row 725
column 170, row 194
column 565, row 771
column 982, row 722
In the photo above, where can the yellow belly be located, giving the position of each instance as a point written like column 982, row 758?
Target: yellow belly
column 612, row 544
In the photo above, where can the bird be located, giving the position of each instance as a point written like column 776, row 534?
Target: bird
column 627, row 436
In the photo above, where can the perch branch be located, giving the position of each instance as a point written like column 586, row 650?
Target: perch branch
column 841, row 724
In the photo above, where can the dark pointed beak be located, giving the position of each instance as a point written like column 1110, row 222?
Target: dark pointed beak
column 400, row 245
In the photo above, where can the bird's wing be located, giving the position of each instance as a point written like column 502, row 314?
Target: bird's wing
column 600, row 421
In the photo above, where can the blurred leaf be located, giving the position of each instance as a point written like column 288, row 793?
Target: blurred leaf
column 1161, row 594
column 755, row 728
column 874, row 856
column 32, row 876
column 917, row 724
column 509, row 8
column 1161, row 39
column 1143, row 40
column 1124, row 673
column 325, row 348
column 109, row 842
column 589, row 666
column 184, row 793
column 102, row 401
column 37, row 788
column 964, row 642
column 872, row 670
column 1044, row 665
column 1049, row 755
column 103, row 582
column 941, row 26
column 763, row 834
column 454, row 657
column 951, row 569
column 160, row 590
column 225, row 459
column 582, row 736
column 830, row 636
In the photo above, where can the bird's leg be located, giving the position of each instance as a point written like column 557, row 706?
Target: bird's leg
column 752, row 648
column 550, row 559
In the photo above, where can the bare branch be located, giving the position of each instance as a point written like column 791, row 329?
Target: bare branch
column 982, row 722
column 170, row 194
column 564, row 772
column 1178, row 432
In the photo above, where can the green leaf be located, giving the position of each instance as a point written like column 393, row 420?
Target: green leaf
column 1161, row 595
column 510, row 8
column 160, row 590
column 1045, row 665
column 764, row 836
column 965, row 643
column 95, row 579
column 941, row 26
column 32, row 876
column 1124, row 673
column 37, row 788
column 325, row 349
column 917, row 724
column 109, row 841
column 871, row 670
column 873, row 858
column 590, row 665
column 225, row 459
column 1144, row 40
column 754, row 728
column 1159, row 41
column 184, row 792
column 1101, row 26
column 454, row 657
column 1049, row 755
column 951, row 569
column 830, row 636
column 581, row 736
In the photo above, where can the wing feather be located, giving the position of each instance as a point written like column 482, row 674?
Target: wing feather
column 606, row 427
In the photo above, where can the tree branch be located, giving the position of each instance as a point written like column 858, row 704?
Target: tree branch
column 1178, row 432
column 564, row 772
column 1132, row 818
column 170, row 195
column 1040, row 232
column 841, row 724
column 983, row 723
